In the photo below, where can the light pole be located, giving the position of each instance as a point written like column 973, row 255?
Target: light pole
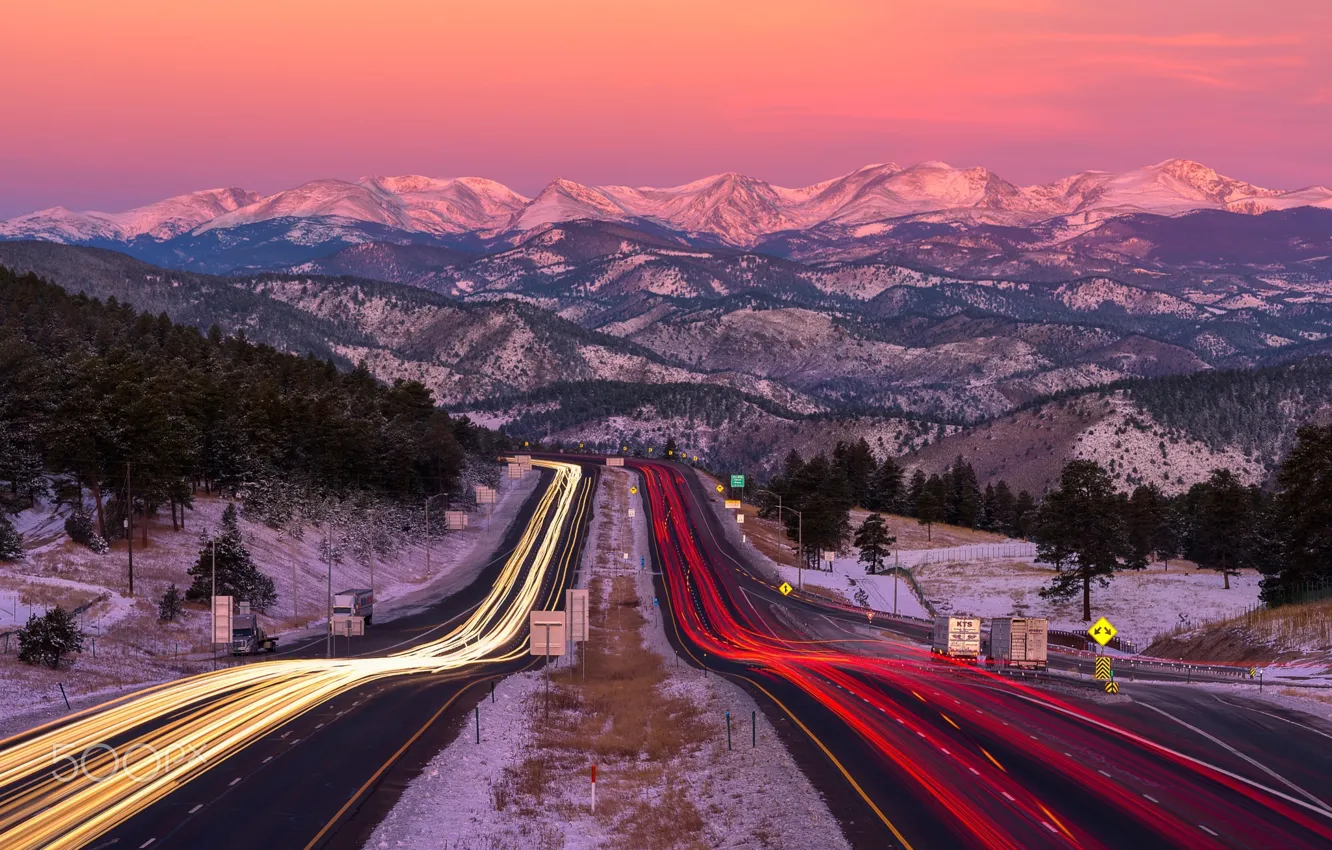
column 328, row 641
column 427, row 518
column 800, row 537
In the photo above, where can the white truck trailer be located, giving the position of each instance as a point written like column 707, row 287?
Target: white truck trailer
column 957, row 637
column 1019, row 642
column 355, row 603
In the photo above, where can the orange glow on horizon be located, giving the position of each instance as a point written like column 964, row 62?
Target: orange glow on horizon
column 108, row 105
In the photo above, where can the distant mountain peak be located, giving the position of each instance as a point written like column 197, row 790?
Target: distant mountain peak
column 729, row 206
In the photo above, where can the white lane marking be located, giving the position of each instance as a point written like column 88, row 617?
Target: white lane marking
column 234, row 781
column 1149, row 743
column 146, row 843
column 1275, row 716
column 1150, row 797
column 197, row 807
column 945, row 752
column 1206, row 830
column 974, row 770
column 267, row 760
column 1220, row 743
column 319, row 726
column 1008, row 796
column 1103, row 773
column 1051, row 828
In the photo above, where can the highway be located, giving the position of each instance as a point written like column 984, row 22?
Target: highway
column 293, row 752
column 917, row 752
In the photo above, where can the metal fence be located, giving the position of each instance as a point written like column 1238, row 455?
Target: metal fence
column 972, row 552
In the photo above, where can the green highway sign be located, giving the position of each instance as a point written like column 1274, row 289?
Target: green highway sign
column 737, row 480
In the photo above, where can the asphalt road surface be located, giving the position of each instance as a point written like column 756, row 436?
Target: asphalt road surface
column 914, row 751
column 300, row 751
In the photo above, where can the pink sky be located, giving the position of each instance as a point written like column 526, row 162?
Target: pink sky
column 108, row 105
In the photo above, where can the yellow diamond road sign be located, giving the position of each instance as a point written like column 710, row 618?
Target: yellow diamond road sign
column 1102, row 631
column 633, row 490
column 720, row 488
column 786, row 588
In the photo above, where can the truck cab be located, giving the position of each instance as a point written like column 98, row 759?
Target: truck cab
column 248, row 637
column 359, row 602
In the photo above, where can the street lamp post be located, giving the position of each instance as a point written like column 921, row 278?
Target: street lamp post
column 427, row 523
column 800, row 537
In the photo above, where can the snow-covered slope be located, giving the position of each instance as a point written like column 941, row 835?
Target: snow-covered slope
column 161, row 220
column 731, row 207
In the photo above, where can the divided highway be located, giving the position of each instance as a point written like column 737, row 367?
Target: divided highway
column 285, row 753
column 918, row 752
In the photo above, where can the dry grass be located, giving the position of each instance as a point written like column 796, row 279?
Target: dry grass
column 1306, row 693
column 1308, row 625
column 1287, row 633
column 621, row 717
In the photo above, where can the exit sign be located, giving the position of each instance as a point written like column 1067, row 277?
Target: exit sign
column 737, row 480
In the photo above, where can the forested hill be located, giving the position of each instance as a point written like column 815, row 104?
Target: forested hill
column 87, row 387
column 1256, row 410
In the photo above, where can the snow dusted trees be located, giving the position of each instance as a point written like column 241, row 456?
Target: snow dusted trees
column 49, row 638
column 11, row 542
column 236, row 573
column 1080, row 529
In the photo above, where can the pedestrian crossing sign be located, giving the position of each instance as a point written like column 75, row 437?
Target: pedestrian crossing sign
column 1102, row 631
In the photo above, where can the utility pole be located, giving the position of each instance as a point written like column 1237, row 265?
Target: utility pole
column 129, row 525
column 328, row 641
column 213, row 603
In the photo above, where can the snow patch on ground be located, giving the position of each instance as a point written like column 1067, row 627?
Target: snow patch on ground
column 750, row 797
column 1141, row 604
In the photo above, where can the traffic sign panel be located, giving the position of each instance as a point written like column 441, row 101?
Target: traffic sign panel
column 1111, row 687
column 785, row 588
column 1103, row 670
column 1102, row 631
column 737, row 480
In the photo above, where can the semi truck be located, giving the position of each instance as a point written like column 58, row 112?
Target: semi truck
column 957, row 637
column 247, row 636
column 1019, row 642
column 359, row 602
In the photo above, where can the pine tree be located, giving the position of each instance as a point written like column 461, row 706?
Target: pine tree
column 1224, row 524
column 1301, row 518
column 236, row 573
column 1080, row 529
column 171, row 605
column 1024, row 514
column 11, row 542
column 49, row 638
column 914, row 491
column 1145, row 513
column 930, row 505
column 886, row 488
column 1005, row 510
column 874, row 542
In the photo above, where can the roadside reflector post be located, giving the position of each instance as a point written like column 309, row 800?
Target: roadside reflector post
column 492, row 690
column 594, row 789
column 478, row 724
column 753, row 729
column 728, row 730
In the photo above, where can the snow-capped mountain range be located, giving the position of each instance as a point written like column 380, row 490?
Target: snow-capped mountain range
column 729, row 208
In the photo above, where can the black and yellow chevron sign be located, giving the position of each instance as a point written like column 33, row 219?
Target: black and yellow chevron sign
column 1103, row 670
column 1111, row 687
